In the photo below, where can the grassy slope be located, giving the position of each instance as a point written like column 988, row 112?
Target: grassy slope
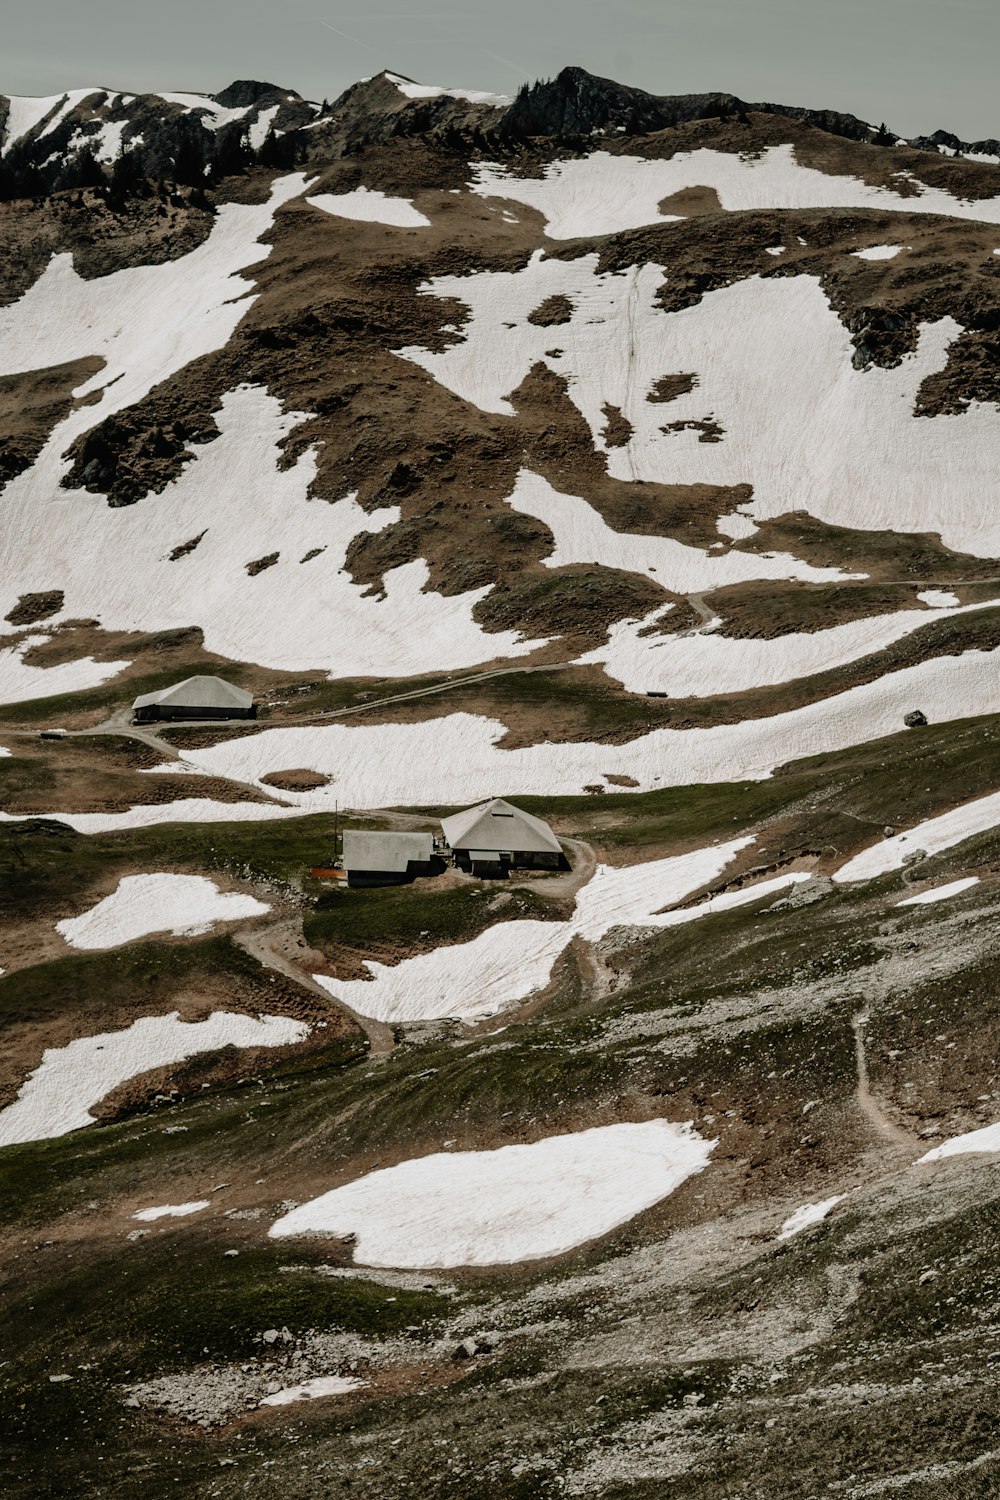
column 688, row 1034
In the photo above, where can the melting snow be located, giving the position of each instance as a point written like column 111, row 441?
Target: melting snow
column 456, row 758
column 938, row 598
column 807, row 1215
column 986, row 1139
column 213, row 115
column 20, row 681
column 877, row 252
column 311, row 1390
column 940, row 892
column 517, row 1203
column 604, row 194
column 431, row 91
column 931, row 836
column 59, row 1095
column 703, row 663
column 581, row 535
column 171, row 1211
column 511, row 960
column 145, row 322
column 372, row 206
column 157, row 903
column 292, row 615
column 260, row 128
column 774, row 364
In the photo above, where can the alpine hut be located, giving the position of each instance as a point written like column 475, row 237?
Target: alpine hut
column 388, row 858
column 496, row 835
column 194, row 698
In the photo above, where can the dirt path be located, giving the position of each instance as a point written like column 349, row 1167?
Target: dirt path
column 274, row 944
column 868, row 1104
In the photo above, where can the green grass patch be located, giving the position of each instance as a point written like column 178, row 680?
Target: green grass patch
column 422, row 913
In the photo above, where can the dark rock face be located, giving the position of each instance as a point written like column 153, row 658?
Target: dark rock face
column 577, row 103
column 245, row 92
column 954, row 145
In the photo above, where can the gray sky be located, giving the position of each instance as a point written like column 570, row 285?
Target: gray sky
column 917, row 64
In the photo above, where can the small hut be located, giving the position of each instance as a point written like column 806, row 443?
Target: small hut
column 496, row 835
column 372, row 858
column 194, row 698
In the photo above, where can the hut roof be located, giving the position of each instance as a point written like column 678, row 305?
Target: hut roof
column 197, row 692
column 385, row 852
column 498, row 825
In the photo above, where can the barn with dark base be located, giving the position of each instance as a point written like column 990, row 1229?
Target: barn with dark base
column 194, row 698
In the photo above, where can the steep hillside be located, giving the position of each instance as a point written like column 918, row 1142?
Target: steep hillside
column 630, row 457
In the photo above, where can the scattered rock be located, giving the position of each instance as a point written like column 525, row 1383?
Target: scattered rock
column 915, row 719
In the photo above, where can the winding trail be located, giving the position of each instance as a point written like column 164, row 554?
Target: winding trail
column 867, row 1103
column 269, row 944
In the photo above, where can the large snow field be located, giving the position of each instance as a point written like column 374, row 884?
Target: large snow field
column 605, row 194
column 59, row 1095
column 293, row 615
column 146, row 322
column 20, row 681
column 142, row 904
column 932, row 836
column 703, row 663
column 581, row 535
column 986, row 1139
column 941, row 892
column 774, row 371
column 371, row 206
column 511, row 960
column 478, row 1208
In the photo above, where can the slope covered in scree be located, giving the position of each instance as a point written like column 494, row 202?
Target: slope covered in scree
column 629, row 457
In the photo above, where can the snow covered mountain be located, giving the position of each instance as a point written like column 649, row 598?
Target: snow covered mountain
column 633, row 455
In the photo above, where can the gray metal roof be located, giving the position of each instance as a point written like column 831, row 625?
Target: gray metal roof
column 497, row 825
column 385, row 852
column 197, row 692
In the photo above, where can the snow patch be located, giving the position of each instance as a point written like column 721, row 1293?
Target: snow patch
column 456, row 758
column 513, row 1204
column 703, row 664
column 432, row 91
column 21, row 682
column 775, row 372
column 511, row 960
column 941, row 892
column 938, row 598
column 157, row 903
column 59, row 1095
column 371, row 206
column 605, row 194
column 877, row 252
column 581, row 535
column 312, row 1390
column 807, row 1215
column 171, row 1211
column 986, row 1139
column 930, row 837
column 234, row 497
